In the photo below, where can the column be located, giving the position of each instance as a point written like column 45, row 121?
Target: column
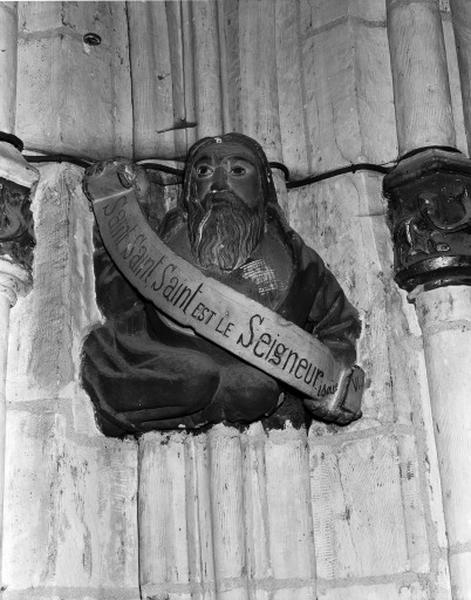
column 461, row 16
column 429, row 215
column 420, row 76
column 16, row 178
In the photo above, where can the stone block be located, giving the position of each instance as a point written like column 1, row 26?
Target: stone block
column 70, row 506
column 461, row 575
column 8, row 33
column 349, row 100
column 98, row 17
column 288, row 505
column 385, row 591
column 156, row 62
column 256, row 506
column 259, row 594
column 82, row 93
column 370, row 10
column 164, row 533
column 33, row 17
column 373, row 85
column 258, row 85
column 441, row 582
column 455, row 85
column 72, row 594
column 227, row 502
column 362, row 525
column 300, row 593
column 318, row 14
column 290, row 93
column 229, row 32
column 199, row 513
column 330, row 99
column 208, row 78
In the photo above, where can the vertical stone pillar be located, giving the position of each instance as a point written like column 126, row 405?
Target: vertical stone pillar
column 8, row 37
column 445, row 318
column 420, row 77
column 16, row 244
column 16, row 178
column 461, row 16
column 430, row 214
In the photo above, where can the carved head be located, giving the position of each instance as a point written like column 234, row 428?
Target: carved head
column 227, row 186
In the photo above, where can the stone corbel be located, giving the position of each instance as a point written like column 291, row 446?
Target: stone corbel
column 429, row 210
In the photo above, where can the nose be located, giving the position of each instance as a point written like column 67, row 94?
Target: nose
column 219, row 179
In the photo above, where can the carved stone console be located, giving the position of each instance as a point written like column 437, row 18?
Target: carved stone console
column 429, row 197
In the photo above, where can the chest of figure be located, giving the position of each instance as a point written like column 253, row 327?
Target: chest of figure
column 266, row 277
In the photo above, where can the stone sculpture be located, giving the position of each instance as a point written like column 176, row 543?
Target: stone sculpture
column 144, row 371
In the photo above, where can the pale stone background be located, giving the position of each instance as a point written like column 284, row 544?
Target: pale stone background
column 335, row 513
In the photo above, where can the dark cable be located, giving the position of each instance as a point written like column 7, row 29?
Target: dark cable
column 281, row 167
column 12, row 139
column 81, row 162
column 328, row 174
column 290, row 184
column 162, row 168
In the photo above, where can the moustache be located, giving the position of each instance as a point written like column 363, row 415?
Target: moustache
column 221, row 199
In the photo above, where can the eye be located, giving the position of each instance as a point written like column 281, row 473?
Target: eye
column 204, row 170
column 238, row 170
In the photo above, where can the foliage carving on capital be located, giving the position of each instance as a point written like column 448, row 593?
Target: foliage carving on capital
column 16, row 223
column 429, row 213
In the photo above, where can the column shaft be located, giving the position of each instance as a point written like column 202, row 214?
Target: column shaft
column 445, row 317
column 461, row 14
column 8, row 39
column 13, row 280
column 420, row 76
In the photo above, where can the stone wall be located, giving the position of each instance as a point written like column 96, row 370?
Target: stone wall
column 335, row 512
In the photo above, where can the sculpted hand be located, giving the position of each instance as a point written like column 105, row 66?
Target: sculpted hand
column 130, row 174
column 345, row 406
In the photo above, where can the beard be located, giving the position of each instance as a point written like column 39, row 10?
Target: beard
column 223, row 230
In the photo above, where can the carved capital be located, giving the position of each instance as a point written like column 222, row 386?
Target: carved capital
column 16, row 220
column 15, row 280
column 16, row 223
column 429, row 213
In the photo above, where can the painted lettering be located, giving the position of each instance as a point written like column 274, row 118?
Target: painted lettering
column 249, row 342
column 262, row 340
column 157, row 287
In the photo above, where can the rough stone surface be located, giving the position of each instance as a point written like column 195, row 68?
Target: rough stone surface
column 386, row 591
column 78, row 526
column 367, row 536
column 74, row 98
column 70, row 494
column 8, row 34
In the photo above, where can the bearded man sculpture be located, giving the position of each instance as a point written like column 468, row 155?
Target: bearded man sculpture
column 143, row 371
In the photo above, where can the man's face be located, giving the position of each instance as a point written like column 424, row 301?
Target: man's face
column 226, row 206
column 227, row 167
